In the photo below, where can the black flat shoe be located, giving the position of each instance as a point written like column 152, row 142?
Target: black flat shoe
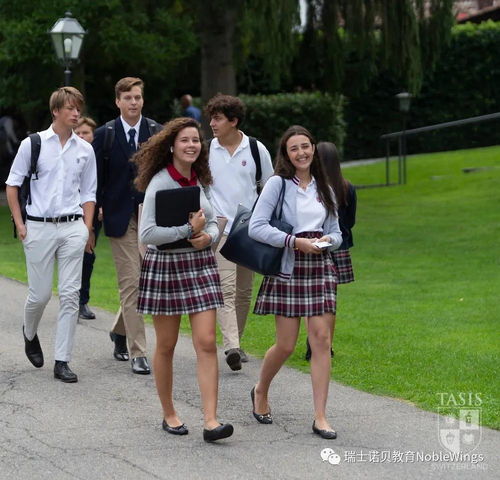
column 265, row 418
column 180, row 430
column 63, row 372
column 224, row 430
column 326, row 434
column 33, row 351
column 120, row 352
column 140, row 366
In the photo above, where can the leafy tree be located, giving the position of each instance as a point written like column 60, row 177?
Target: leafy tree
column 125, row 38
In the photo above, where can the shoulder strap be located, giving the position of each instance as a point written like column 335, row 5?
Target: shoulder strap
column 109, row 138
column 153, row 127
column 254, row 148
column 36, row 145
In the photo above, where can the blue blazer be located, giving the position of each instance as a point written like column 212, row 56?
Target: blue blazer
column 116, row 193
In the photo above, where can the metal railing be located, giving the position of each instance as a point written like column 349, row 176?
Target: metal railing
column 401, row 138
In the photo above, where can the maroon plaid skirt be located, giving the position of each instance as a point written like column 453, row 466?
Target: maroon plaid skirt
column 178, row 283
column 310, row 291
column 342, row 260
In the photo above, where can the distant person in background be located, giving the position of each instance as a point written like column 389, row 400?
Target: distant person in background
column 346, row 206
column 85, row 129
column 188, row 109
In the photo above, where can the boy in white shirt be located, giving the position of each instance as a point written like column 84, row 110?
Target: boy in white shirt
column 235, row 181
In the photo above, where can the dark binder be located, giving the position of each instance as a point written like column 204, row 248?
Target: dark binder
column 173, row 207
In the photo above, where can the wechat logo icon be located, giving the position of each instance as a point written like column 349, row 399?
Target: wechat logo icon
column 328, row 455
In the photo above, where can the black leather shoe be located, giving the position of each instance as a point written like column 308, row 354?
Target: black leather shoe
column 33, row 350
column 86, row 313
column 121, row 351
column 140, row 365
column 326, row 434
column 265, row 418
column 64, row 373
column 224, row 430
column 180, row 430
column 233, row 358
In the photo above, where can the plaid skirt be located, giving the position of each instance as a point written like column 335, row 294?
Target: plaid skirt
column 342, row 260
column 179, row 283
column 310, row 291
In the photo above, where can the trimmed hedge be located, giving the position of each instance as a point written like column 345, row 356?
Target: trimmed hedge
column 465, row 84
column 268, row 116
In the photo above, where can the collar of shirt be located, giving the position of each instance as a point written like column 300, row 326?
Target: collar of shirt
column 312, row 183
column 245, row 143
column 49, row 133
column 127, row 127
column 180, row 179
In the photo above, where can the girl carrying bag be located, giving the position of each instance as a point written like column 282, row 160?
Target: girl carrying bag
column 247, row 252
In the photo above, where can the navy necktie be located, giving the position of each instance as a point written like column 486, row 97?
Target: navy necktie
column 131, row 141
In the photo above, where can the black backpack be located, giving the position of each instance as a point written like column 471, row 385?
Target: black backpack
column 254, row 148
column 24, row 192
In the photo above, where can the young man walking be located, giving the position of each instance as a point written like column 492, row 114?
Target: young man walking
column 114, row 144
column 234, row 170
column 63, row 190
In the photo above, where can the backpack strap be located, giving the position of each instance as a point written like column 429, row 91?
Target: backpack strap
column 36, row 146
column 153, row 127
column 109, row 138
column 254, row 148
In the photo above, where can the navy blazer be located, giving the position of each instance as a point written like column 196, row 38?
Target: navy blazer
column 116, row 193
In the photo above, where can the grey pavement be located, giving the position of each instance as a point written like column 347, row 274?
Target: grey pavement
column 108, row 425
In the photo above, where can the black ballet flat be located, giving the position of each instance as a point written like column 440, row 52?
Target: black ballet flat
column 180, row 430
column 224, row 430
column 265, row 418
column 326, row 434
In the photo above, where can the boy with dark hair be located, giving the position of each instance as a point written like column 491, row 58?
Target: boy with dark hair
column 119, row 200
column 62, row 191
column 233, row 158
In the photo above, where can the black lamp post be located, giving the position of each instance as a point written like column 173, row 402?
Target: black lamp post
column 67, row 35
column 404, row 99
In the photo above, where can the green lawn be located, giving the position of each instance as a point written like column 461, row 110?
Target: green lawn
column 423, row 316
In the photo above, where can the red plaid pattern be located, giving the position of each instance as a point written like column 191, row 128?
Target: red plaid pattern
column 342, row 260
column 310, row 291
column 179, row 283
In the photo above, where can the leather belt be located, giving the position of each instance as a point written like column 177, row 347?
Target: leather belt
column 65, row 218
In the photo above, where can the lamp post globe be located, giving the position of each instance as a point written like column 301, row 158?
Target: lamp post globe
column 404, row 99
column 67, row 36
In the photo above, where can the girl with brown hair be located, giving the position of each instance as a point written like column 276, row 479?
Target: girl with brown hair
column 305, row 286
column 180, row 280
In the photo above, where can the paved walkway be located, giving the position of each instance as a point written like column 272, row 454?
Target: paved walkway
column 107, row 426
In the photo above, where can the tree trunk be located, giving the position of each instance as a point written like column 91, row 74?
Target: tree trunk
column 217, row 22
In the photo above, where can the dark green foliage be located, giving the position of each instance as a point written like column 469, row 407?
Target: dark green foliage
column 464, row 84
column 268, row 116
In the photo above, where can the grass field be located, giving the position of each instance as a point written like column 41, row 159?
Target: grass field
column 423, row 316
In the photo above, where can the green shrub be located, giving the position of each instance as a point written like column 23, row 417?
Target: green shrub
column 268, row 116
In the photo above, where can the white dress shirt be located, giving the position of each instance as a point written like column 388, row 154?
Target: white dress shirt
column 311, row 214
column 66, row 175
column 127, row 127
column 234, row 177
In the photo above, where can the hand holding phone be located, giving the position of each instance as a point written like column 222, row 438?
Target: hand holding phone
column 323, row 245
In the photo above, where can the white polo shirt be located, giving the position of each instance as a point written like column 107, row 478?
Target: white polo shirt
column 66, row 175
column 234, row 177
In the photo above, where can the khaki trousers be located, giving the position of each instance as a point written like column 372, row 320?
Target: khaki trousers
column 128, row 269
column 236, row 282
